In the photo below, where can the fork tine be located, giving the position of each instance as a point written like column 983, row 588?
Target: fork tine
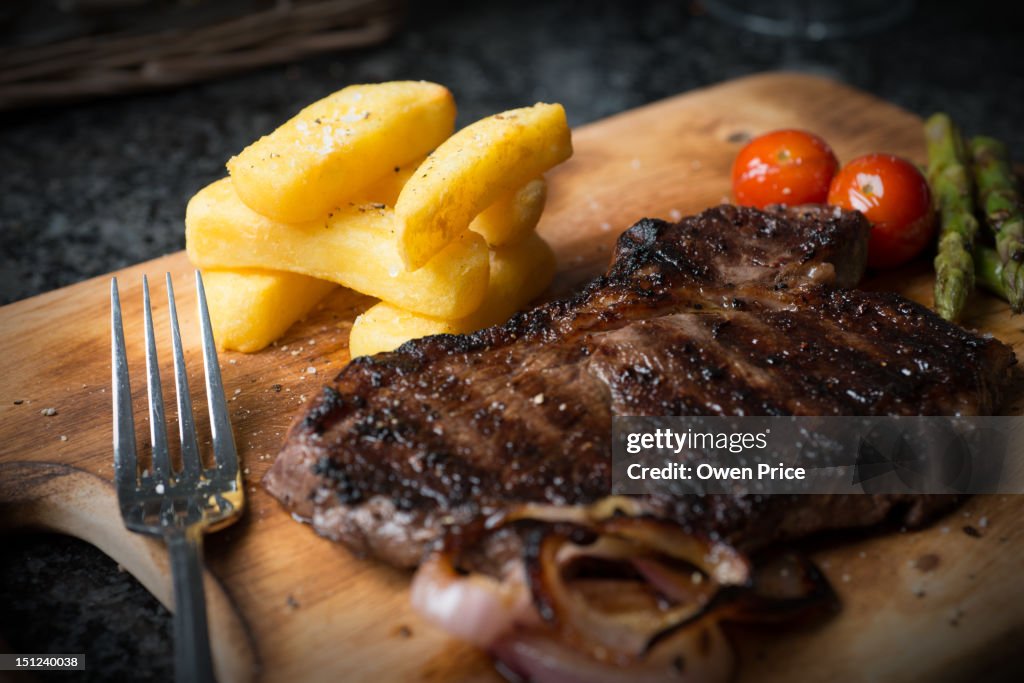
column 224, row 452
column 190, row 465
column 125, row 461
column 157, row 427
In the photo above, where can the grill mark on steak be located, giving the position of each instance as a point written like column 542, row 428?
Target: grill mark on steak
column 426, row 440
column 680, row 347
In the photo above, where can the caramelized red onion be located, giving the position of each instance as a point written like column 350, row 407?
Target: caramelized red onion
column 476, row 608
column 606, row 596
column 701, row 657
column 786, row 586
column 621, row 636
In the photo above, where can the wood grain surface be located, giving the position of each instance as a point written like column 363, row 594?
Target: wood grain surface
column 287, row 605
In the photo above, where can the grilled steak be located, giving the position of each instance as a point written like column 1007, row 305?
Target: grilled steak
column 734, row 311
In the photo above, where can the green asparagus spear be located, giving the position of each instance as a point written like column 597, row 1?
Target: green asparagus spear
column 951, row 184
column 988, row 267
column 1001, row 203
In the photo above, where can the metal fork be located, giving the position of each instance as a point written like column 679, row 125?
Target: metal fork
column 177, row 504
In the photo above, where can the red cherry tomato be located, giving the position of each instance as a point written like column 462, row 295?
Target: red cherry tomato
column 784, row 167
column 894, row 196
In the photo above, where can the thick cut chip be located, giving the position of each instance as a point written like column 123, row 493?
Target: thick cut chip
column 354, row 246
column 471, row 170
column 385, row 189
column 508, row 220
column 323, row 156
column 513, row 216
column 518, row 274
column 251, row 308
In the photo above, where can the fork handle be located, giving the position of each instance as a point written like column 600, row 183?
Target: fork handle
column 192, row 661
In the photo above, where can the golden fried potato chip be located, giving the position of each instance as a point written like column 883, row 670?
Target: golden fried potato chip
column 323, row 156
column 250, row 308
column 513, row 216
column 518, row 274
column 471, row 170
column 354, row 246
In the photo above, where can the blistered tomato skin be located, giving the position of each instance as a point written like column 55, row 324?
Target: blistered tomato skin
column 894, row 196
column 783, row 167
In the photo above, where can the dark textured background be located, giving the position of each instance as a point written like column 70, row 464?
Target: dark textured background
column 89, row 188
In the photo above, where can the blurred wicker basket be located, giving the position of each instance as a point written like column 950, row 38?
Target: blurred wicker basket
column 87, row 48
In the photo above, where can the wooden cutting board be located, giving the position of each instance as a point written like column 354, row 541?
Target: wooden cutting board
column 936, row 604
